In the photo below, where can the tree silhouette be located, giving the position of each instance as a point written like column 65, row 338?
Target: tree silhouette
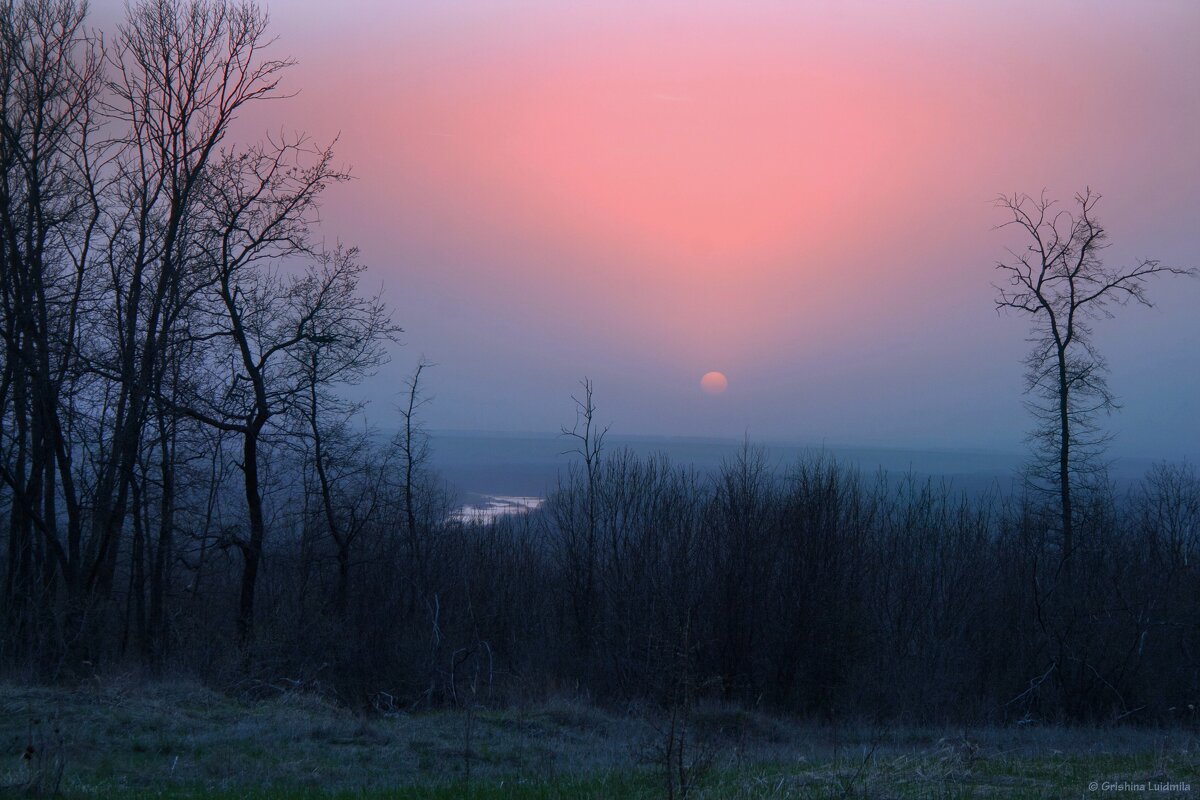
column 1061, row 281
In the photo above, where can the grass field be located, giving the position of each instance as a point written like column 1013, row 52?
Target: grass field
column 179, row 740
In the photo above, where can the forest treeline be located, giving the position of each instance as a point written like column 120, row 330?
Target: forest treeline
column 186, row 490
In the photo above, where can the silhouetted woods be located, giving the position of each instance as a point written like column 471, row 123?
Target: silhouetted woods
column 184, row 488
column 165, row 302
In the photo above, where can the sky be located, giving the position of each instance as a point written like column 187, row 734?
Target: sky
column 795, row 194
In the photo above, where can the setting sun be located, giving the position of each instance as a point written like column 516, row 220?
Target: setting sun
column 714, row 382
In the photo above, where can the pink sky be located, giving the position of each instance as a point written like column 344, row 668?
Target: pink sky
column 796, row 194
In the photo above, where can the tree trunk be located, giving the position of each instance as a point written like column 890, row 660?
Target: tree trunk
column 252, row 549
column 343, row 584
column 1064, row 459
column 162, row 554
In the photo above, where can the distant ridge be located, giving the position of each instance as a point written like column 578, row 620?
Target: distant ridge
column 483, row 463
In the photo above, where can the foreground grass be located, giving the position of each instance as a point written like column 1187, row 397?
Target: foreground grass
column 182, row 741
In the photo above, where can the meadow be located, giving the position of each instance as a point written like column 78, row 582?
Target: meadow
column 179, row 740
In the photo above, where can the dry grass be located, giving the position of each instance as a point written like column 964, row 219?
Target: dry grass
column 181, row 740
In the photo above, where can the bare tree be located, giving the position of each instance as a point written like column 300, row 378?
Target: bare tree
column 153, row 277
column 50, row 79
column 588, row 439
column 272, row 326
column 349, row 471
column 1061, row 281
column 164, row 96
column 413, row 446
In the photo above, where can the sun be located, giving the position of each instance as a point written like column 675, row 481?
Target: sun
column 714, row 382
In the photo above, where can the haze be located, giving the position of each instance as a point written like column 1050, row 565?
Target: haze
column 796, row 195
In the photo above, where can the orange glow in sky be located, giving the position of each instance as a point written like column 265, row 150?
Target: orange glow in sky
column 707, row 180
column 640, row 190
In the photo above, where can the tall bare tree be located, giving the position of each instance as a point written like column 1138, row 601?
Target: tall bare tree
column 183, row 71
column 1060, row 280
column 412, row 444
column 587, row 437
column 50, row 80
column 278, row 336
